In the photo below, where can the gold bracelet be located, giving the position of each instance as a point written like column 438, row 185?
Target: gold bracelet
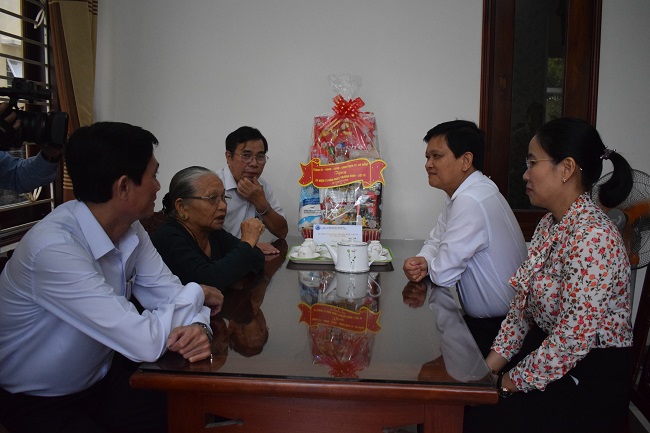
column 264, row 212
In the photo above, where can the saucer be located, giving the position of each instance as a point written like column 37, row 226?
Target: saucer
column 294, row 255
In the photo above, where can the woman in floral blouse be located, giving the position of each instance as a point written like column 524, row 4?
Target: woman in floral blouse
column 561, row 356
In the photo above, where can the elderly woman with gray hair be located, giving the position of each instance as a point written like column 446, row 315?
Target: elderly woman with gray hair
column 192, row 241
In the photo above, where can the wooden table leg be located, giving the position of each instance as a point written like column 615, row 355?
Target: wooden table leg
column 443, row 419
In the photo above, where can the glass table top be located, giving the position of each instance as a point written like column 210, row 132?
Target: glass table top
column 317, row 324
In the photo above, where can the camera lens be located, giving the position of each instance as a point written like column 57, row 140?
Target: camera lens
column 33, row 127
column 39, row 128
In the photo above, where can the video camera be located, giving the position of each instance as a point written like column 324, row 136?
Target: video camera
column 39, row 128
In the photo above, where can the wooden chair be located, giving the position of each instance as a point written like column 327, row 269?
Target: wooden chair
column 640, row 360
column 153, row 222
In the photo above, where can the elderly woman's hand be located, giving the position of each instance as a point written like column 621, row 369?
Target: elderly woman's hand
column 251, row 230
column 268, row 249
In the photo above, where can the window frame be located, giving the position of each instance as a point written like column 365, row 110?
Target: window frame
column 582, row 57
column 18, row 218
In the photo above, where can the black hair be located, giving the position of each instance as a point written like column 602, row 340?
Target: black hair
column 462, row 136
column 575, row 138
column 97, row 155
column 242, row 135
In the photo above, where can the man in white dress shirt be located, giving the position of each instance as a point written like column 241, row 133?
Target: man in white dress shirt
column 476, row 244
column 70, row 337
column 251, row 196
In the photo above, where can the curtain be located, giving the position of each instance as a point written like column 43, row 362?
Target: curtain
column 73, row 25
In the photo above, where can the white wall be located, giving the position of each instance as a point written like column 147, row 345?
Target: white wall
column 192, row 71
column 624, row 91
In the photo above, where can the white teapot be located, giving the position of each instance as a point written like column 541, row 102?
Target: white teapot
column 351, row 256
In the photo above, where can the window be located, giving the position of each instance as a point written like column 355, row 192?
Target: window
column 540, row 61
column 24, row 53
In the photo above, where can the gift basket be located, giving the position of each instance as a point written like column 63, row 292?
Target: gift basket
column 342, row 183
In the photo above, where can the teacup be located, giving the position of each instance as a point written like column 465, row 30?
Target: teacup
column 309, row 242
column 374, row 250
column 306, row 252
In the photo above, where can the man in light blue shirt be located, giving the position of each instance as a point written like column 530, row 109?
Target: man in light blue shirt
column 69, row 334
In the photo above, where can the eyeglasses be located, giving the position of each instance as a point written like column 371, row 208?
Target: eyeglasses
column 532, row 162
column 212, row 199
column 247, row 157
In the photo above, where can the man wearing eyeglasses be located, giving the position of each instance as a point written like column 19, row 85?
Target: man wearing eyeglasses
column 251, row 195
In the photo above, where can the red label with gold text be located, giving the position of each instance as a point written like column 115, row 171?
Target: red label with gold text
column 342, row 173
column 330, row 315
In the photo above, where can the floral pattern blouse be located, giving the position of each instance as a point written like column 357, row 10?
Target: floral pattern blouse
column 575, row 286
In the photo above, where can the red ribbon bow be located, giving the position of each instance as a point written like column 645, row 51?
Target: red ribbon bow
column 347, row 108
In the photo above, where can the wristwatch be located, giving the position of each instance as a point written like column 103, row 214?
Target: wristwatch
column 206, row 328
column 502, row 390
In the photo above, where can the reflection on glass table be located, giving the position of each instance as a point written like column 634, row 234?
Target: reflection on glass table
column 458, row 359
column 369, row 347
column 341, row 311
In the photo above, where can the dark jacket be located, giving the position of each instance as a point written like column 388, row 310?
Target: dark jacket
column 231, row 258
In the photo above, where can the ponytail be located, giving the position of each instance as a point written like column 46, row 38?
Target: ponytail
column 616, row 189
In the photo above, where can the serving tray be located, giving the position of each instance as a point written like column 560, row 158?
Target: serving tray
column 324, row 257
